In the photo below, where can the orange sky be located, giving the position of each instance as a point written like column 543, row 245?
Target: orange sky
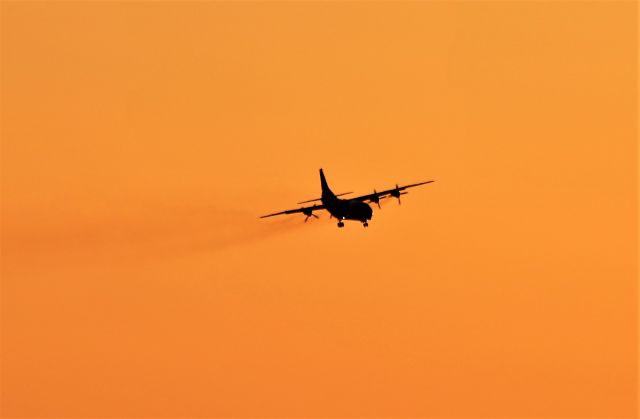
column 141, row 141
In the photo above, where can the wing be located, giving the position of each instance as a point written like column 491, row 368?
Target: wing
column 308, row 211
column 395, row 192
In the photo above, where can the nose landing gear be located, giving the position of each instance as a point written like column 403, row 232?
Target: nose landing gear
column 365, row 224
column 340, row 224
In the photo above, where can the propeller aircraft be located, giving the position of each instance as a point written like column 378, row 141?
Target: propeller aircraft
column 357, row 209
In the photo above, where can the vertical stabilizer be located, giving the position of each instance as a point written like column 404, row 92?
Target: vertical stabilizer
column 326, row 192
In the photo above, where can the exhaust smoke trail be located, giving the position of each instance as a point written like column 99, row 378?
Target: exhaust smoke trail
column 158, row 232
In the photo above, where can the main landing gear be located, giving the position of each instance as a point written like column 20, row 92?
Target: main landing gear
column 341, row 224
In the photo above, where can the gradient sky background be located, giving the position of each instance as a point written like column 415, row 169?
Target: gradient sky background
column 141, row 141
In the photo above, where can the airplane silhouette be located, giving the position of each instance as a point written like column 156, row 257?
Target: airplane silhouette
column 347, row 209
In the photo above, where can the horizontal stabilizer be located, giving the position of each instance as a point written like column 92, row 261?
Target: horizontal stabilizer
column 318, row 199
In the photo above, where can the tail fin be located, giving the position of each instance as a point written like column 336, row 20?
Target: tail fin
column 325, row 186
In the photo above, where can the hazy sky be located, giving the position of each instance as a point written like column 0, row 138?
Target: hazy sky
column 142, row 140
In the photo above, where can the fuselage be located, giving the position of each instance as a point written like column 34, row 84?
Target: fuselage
column 347, row 209
column 344, row 209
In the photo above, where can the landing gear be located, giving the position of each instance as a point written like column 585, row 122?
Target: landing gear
column 365, row 224
column 340, row 224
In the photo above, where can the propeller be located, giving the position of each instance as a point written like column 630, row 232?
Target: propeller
column 309, row 213
column 376, row 198
column 396, row 194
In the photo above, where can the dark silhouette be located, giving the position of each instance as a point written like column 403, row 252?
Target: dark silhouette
column 347, row 209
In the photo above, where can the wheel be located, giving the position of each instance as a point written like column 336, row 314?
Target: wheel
column 366, row 224
column 340, row 224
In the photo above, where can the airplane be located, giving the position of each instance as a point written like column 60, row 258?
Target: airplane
column 356, row 209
